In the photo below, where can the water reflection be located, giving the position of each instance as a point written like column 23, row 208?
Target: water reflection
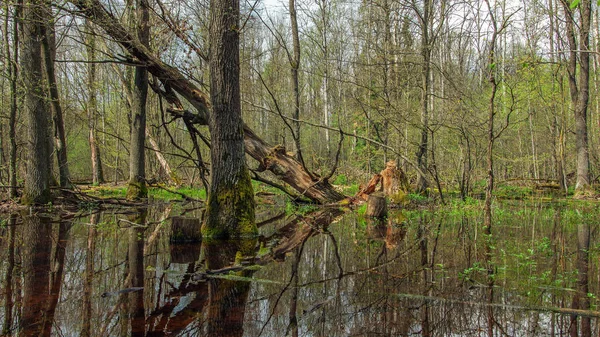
column 330, row 273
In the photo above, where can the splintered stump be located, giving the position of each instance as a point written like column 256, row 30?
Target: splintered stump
column 376, row 205
column 364, row 192
column 395, row 182
column 185, row 230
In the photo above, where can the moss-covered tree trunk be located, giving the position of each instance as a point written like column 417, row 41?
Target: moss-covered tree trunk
column 37, row 179
column 136, row 188
column 230, row 209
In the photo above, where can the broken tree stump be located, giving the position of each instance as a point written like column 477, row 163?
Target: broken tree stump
column 395, row 182
column 185, row 230
column 364, row 193
column 376, row 205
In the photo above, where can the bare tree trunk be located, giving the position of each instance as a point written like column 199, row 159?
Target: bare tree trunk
column 136, row 187
column 97, row 174
column 49, row 46
column 230, row 206
column 580, row 91
column 426, row 47
column 37, row 180
column 12, row 59
column 295, row 65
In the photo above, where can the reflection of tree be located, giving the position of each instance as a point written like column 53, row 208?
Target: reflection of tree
column 36, row 272
column 227, row 298
column 86, row 329
column 56, row 276
column 10, row 261
column 580, row 297
column 136, row 273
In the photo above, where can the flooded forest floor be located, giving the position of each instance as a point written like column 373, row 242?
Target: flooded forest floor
column 426, row 269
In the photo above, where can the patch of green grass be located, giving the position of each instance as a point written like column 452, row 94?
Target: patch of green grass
column 107, row 191
column 362, row 209
column 513, row 192
column 340, row 180
column 161, row 194
column 351, row 189
column 417, row 197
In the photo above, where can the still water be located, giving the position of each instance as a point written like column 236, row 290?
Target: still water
column 331, row 272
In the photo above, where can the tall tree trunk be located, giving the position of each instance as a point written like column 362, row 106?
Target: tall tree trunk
column 37, row 179
column 230, row 207
column 97, row 174
column 13, row 74
column 426, row 84
column 136, row 188
column 295, row 65
column 580, row 91
column 49, row 46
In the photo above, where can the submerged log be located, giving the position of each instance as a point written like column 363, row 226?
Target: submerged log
column 284, row 166
column 185, row 230
column 376, row 205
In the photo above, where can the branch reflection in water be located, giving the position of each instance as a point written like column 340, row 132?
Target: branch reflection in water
column 327, row 272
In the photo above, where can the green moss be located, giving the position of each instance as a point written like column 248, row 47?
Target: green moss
column 398, row 198
column 36, row 199
column 136, row 190
column 230, row 210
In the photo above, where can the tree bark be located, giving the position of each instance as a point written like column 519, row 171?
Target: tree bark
column 136, row 188
column 97, row 174
column 13, row 74
column 49, row 46
column 283, row 166
column 37, row 179
column 426, row 82
column 230, row 206
column 580, row 91
column 295, row 65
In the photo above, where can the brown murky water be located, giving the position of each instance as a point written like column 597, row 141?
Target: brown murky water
column 331, row 273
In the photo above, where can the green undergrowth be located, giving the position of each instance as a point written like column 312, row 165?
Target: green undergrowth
column 153, row 192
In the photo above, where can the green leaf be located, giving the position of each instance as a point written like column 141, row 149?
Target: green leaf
column 574, row 4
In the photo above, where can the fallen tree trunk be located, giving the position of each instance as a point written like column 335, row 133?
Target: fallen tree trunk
column 271, row 158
